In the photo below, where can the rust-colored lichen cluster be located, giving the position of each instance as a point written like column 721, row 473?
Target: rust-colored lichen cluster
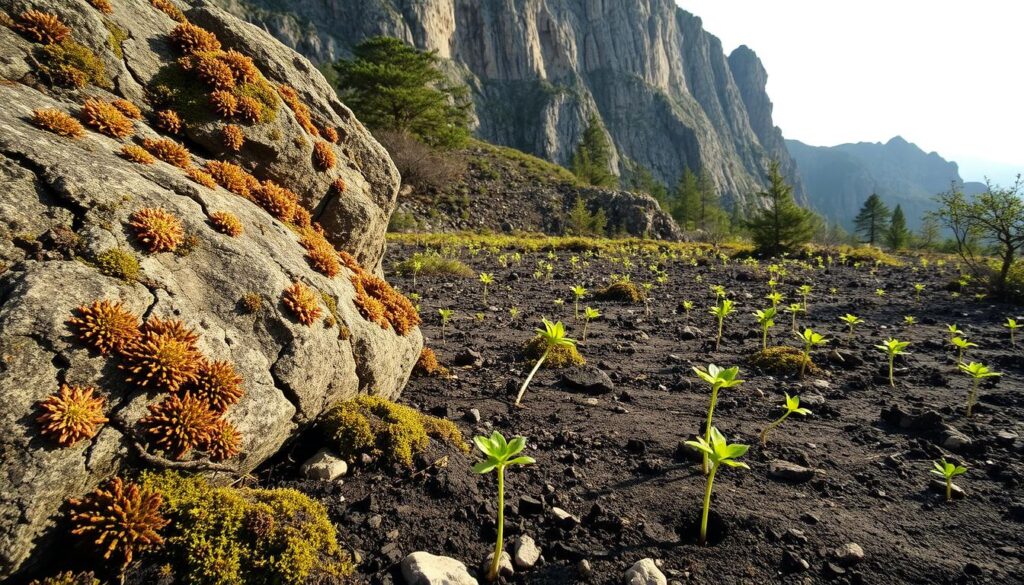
column 105, row 326
column 227, row 223
column 169, row 121
column 276, row 200
column 157, row 229
column 189, row 38
column 303, row 302
column 331, row 134
column 127, row 108
column 323, row 155
column 168, row 151
column 223, row 441
column 106, row 118
column 168, row 8
column 233, row 136
column 42, row 27
column 58, row 122
column 71, row 415
column 137, row 154
column 339, row 186
column 102, row 5
column 163, row 358
column 120, row 518
column 427, row 364
column 377, row 301
column 224, row 103
column 216, row 384
column 301, row 111
column 321, row 254
column 202, row 177
column 178, row 424
column 233, row 178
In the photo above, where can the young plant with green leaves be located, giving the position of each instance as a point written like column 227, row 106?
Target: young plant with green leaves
column 909, row 320
column 687, row 307
column 717, row 378
column 499, row 455
column 552, row 336
column 417, row 265
column 792, row 406
column 513, row 312
column 1011, row 324
column 948, row 471
column 892, row 348
column 719, row 452
column 918, row 289
column 851, row 322
column 589, row 314
column 805, row 292
column 775, row 298
column 766, row 319
column 810, row 340
column 961, row 345
column 953, row 331
column 578, row 292
column 486, row 279
column 794, row 310
column 879, row 292
column 446, row 316
column 721, row 311
column 977, row 372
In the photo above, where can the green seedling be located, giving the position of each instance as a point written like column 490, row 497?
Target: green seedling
column 918, row 289
column 553, row 335
column 446, row 315
column 578, row 292
column 792, row 406
column 810, row 339
column 1011, row 324
column 486, row 279
column 719, row 452
column 948, row 471
column 892, row 348
column 851, row 322
column 879, row 292
column 721, row 311
column 589, row 314
column 910, row 320
column 647, row 287
column 805, row 291
column 977, row 372
column 953, row 332
column 766, row 319
column 961, row 345
column 794, row 309
column 417, row 265
column 479, row 317
column 500, row 454
column 718, row 378
column 513, row 312
column 687, row 307
column 775, row 298
column 719, row 291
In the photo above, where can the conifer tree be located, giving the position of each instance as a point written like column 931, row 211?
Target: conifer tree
column 783, row 226
column 873, row 220
column 591, row 163
column 686, row 200
column 897, row 236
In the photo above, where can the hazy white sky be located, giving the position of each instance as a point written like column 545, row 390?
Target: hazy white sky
column 947, row 75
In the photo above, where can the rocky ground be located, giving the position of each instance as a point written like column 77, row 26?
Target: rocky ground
column 843, row 495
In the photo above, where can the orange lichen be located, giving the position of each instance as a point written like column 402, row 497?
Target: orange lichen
column 303, row 302
column 176, row 328
column 42, row 27
column 330, row 133
column 105, row 326
column 323, row 155
column 290, row 97
column 127, row 108
column 178, row 424
column 190, row 38
column 226, row 222
column 377, row 301
column 202, row 177
column 71, row 415
column 136, row 153
column 428, row 365
column 320, row 253
column 210, row 70
column 276, row 200
column 224, row 103
column 339, row 186
column 161, row 361
column 223, row 442
column 57, row 122
column 244, row 69
column 233, row 136
column 169, row 121
column 249, row 109
column 216, row 384
column 102, row 5
column 233, row 178
column 169, row 9
column 301, row 217
column 158, row 229
column 168, row 151
column 121, row 518
column 105, row 118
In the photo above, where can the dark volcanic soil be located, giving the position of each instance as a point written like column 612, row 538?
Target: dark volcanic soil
column 612, row 460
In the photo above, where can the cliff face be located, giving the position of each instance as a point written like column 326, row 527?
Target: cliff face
column 839, row 178
column 538, row 69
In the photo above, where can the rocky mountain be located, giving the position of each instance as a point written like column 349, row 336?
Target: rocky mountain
column 839, row 178
column 666, row 92
column 185, row 205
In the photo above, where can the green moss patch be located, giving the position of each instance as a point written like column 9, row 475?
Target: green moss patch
column 781, row 360
column 624, row 291
column 560, row 356
column 119, row 264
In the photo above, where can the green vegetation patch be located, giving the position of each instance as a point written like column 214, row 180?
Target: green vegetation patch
column 559, row 356
column 432, row 263
column 72, row 64
column 782, row 360
column 624, row 291
column 119, row 264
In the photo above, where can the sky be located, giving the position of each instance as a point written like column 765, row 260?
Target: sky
column 947, row 75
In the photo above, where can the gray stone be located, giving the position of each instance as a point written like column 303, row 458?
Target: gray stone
column 505, row 568
column 324, row 466
column 953, row 439
column 789, row 472
column 645, row 572
column 526, row 553
column 563, row 518
column 423, row 568
column 849, row 554
column 588, row 379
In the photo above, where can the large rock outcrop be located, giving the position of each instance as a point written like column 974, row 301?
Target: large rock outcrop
column 66, row 203
column 661, row 84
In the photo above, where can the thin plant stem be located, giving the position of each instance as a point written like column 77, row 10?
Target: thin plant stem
column 892, row 381
column 536, row 367
column 707, row 506
column 707, row 428
column 492, row 575
column 764, row 433
column 972, row 396
column 949, row 489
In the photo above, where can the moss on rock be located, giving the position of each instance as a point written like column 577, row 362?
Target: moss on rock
column 781, row 360
column 560, row 356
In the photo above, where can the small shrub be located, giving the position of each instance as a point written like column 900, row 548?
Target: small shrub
column 249, row 109
column 321, row 254
column 106, row 119
column 251, row 302
column 168, row 8
column 177, row 425
column 276, row 200
column 233, row 178
column 224, row 103
column 105, row 326
column 323, row 155
column 391, row 432
column 427, row 364
column 169, row 121
column 137, row 154
column 331, row 134
column 419, row 164
column 73, row 414
column 102, row 5
column 57, row 122
column 216, row 384
column 242, row 67
column 223, row 442
column 42, row 27
column 190, row 38
column 202, row 177
column 782, row 361
column 127, row 108
column 161, row 359
column 122, row 518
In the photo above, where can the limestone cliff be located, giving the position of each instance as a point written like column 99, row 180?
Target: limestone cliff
column 662, row 85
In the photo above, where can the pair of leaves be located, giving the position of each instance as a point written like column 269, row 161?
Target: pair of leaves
column 553, row 334
column 948, row 470
column 719, row 377
column 810, row 338
column 719, row 451
column 793, row 405
column 851, row 319
column 723, row 310
column 893, row 347
column 978, row 371
column 500, row 453
column 766, row 317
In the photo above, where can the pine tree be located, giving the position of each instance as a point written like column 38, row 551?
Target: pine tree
column 581, row 222
column 639, row 179
column 873, row 220
column 783, row 226
column 897, row 236
column 392, row 86
column 686, row 200
column 591, row 163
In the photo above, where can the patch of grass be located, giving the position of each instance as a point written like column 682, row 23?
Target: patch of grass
column 72, row 64
column 782, row 360
column 263, row 93
column 433, row 263
column 535, row 242
column 117, row 36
